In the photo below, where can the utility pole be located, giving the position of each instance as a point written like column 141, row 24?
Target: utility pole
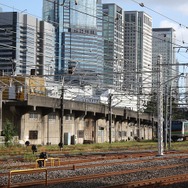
column 138, row 113
column 170, row 119
column 110, row 117
column 166, row 115
column 160, row 105
column 62, row 115
column 1, row 126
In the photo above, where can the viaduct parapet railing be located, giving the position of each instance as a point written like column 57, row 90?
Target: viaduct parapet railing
column 55, row 103
column 48, row 102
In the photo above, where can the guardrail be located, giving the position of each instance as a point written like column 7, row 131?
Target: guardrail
column 52, row 161
column 27, row 170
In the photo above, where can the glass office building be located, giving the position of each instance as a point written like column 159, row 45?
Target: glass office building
column 79, row 42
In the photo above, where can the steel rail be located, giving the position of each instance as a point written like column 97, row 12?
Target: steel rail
column 168, row 180
column 77, row 163
column 94, row 176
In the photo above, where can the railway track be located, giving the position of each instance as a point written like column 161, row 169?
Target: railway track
column 161, row 181
column 157, row 182
column 74, row 165
column 93, row 176
column 89, row 155
column 83, row 159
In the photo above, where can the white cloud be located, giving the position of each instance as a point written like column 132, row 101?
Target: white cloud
column 183, row 8
column 166, row 23
column 169, row 3
column 180, row 6
column 180, row 32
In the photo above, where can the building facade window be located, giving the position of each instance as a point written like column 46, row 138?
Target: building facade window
column 80, row 134
column 33, row 134
column 52, row 116
column 33, row 115
column 68, row 117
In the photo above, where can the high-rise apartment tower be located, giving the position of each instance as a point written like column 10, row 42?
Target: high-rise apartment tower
column 113, row 33
column 138, row 52
column 27, row 45
column 164, row 44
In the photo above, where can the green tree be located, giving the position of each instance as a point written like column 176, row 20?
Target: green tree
column 177, row 112
column 8, row 132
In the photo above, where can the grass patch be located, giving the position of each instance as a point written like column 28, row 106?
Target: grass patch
column 27, row 153
column 29, row 157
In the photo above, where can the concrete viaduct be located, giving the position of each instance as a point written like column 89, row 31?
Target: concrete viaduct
column 38, row 120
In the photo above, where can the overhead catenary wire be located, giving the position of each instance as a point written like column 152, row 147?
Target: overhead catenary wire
column 56, row 23
column 144, row 6
column 105, row 20
column 127, row 45
column 80, row 11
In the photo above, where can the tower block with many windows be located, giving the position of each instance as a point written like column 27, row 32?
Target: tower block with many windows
column 138, row 51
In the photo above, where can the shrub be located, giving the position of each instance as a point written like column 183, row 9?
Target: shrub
column 8, row 132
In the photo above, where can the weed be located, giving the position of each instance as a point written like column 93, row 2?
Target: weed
column 29, row 157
